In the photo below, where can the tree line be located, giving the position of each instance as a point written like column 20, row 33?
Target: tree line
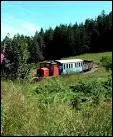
column 95, row 35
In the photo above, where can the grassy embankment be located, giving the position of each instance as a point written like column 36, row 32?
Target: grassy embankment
column 76, row 104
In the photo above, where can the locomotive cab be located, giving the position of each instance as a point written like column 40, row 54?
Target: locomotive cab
column 54, row 69
column 48, row 69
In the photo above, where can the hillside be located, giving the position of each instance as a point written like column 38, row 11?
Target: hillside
column 75, row 104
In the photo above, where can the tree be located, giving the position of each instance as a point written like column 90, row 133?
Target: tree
column 38, row 43
column 48, row 38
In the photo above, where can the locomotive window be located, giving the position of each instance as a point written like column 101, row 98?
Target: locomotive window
column 46, row 65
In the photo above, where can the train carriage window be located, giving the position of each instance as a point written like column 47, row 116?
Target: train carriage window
column 75, row 65
column 79, row 64
column 67, row 65
column 64, row 66
column 71, row 65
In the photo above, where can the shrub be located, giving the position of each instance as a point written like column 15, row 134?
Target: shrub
column 23, row 71
column 76, row 102
column 106, row 62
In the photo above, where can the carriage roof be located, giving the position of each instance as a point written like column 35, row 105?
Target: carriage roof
column 69, row 61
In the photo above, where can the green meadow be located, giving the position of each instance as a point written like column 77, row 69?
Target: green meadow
column 72, row 105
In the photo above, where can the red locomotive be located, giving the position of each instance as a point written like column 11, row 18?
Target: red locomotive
column 49, row 68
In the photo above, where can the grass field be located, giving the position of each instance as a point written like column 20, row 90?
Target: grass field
column 75, row 104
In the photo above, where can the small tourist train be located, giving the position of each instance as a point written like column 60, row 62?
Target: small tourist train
column 60, row 67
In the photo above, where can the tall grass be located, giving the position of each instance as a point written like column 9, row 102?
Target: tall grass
column 73, row 105
column 49, row 112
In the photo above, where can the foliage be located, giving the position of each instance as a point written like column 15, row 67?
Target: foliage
column 107, row 62
column 62, row 41
column 50, row 113
column 16, row 57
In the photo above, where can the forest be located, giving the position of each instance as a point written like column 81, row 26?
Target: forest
column 92, row 36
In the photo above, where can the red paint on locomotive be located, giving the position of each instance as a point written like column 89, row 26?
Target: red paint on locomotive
column 48, row 69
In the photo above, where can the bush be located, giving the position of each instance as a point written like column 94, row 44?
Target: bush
column 94, row 90
column 87, row 87
column 23, row 71
column 76, row 103
column 106, row 62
